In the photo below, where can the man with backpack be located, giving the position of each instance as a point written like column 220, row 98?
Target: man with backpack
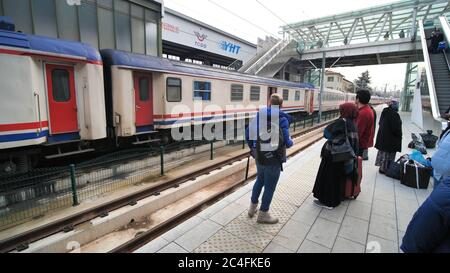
column 268, row 137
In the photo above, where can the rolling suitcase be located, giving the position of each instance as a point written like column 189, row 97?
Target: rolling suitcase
column 353, row 190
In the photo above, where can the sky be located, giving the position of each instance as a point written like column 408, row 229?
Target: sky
column 247, row 19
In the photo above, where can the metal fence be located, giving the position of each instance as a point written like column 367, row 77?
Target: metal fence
column 32, row 195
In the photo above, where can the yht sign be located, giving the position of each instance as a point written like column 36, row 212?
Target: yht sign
column 230, row 47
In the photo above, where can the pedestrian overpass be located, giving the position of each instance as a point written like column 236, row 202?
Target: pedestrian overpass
column 385, row 34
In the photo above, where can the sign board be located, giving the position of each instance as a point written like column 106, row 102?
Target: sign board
column 181, row 30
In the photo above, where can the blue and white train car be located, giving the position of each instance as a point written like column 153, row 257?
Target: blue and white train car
column 145, row 94
column 52, row 98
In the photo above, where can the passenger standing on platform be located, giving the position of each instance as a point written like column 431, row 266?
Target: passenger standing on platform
column 429, row 230
column 389, row 139
column 269, row 162
column 446, row 117
column 329, row 188
column 365, row 123
column 441, row 159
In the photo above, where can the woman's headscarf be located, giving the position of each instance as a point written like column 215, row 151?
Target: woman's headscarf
column 394, row 105
column 348, row 110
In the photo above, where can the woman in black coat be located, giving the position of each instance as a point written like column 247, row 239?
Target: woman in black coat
column 329, row 188
column 389, row 139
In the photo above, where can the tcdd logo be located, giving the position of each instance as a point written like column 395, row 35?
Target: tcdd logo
column 200, row 39
column 232, row 48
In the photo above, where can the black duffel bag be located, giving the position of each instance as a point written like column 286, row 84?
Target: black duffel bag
column 415, row 175
column 395, row 168
column 429, row 139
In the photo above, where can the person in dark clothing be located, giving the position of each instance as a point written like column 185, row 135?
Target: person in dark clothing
column 429, row 230
column 447, row 117
column 439, row 38
column 329, row 187
column 389, row 139
column 433, row 44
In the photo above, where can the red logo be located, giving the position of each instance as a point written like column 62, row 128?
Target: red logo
column 200, row 37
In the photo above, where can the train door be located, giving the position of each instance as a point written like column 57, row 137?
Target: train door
column 309, row 101
column 272, row 90
column 143, row 88
column 62, row 101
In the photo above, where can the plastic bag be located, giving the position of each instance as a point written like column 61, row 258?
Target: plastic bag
column 417, row 144
column 419, row 158
column 429, row 139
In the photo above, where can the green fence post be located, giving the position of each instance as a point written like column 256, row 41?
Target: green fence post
column 162, row 150
column 74, row 186
column 247, row 169
column 212, row 150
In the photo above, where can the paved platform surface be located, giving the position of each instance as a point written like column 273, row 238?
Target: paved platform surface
column 375, row 222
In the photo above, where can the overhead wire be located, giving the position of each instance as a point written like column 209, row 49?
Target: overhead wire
column 242, row 18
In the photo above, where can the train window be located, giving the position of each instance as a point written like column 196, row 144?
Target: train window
column 237, row 92
column 60, row 85
column 144, row 89
column 173, row 90
column 255, row 93
column 202, row 91
column 297, row 95
column 285, row 94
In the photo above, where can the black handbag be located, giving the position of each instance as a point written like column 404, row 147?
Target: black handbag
column 394, row 169
column 341, row 149
column 416, row 175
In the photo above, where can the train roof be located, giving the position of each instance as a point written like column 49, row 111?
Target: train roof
column 49, row 45
column 133, row 60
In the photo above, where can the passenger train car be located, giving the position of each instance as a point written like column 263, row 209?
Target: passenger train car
column 61, row 98
column 51, row 95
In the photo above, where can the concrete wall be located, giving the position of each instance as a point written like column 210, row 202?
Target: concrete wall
column 130, row 25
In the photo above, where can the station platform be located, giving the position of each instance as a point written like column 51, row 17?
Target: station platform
column 375, row 222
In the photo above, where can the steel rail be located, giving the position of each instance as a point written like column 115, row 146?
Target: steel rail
column 22, row 241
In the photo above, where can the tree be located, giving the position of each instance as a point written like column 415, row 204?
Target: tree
column 363, row 82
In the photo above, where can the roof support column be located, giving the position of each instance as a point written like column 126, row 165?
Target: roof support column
column 414, row 25
column 322, row 84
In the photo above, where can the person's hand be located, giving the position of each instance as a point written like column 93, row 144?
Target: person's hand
column 253, row 153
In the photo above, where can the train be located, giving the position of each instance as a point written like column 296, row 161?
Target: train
column 62, row 99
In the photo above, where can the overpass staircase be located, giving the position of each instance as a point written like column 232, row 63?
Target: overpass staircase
column 270, row 62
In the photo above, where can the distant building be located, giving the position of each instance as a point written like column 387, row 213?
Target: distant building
column 334, row 80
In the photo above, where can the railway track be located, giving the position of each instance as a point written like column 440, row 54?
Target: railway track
column 21, row 242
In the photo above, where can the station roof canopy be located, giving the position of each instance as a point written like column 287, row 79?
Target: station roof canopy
column 367, row 25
